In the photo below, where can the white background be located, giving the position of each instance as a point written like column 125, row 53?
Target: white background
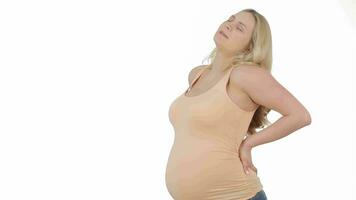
column 85, row 88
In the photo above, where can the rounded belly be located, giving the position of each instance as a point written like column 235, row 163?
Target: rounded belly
column 194, row 170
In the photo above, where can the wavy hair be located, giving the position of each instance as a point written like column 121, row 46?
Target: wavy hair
column 260, row 55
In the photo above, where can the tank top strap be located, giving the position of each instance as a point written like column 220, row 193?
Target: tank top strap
column 199, row 73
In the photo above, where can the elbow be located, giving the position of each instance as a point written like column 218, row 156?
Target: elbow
column 306, row 118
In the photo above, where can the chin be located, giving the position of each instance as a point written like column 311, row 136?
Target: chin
column 218, row 42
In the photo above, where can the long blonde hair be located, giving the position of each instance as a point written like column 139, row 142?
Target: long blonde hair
column 260, row 55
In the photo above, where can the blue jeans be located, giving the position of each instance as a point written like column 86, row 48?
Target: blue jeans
column 261, row 195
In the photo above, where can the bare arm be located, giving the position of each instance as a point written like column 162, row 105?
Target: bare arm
column 265, row 90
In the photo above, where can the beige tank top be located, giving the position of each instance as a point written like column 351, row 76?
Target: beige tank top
column 204, row 162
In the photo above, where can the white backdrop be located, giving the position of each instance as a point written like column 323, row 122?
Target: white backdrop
column 85, row 88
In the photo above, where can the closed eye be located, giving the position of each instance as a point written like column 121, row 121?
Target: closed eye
column 237, row 27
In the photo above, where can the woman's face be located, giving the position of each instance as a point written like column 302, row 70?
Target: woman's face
column 238, row 30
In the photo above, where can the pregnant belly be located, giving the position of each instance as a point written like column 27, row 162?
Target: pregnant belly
column 193, row 171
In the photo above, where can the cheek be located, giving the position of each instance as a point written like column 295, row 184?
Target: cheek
column 238, row 39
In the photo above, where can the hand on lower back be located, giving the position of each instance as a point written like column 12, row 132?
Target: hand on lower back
column 246, row 158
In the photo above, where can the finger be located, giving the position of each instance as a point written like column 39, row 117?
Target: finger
column 249, row 169
column 254, row 168
column 246, row 169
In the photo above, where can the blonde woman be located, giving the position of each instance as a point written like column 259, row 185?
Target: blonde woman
column 216, row 118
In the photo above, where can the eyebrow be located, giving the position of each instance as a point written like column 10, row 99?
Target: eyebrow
column 239, row 21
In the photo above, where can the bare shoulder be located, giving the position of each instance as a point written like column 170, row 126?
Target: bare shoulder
column 193, row 72
column 249, row 70
column 249, row 75
column 265, row 90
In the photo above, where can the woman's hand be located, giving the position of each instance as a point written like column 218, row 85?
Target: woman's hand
column 245, row 156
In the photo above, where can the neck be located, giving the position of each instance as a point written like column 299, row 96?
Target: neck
column 220, row 61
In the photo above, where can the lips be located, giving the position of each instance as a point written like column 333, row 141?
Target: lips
column 222, row 33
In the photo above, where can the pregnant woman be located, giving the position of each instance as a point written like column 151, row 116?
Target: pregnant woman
column 216, row 118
